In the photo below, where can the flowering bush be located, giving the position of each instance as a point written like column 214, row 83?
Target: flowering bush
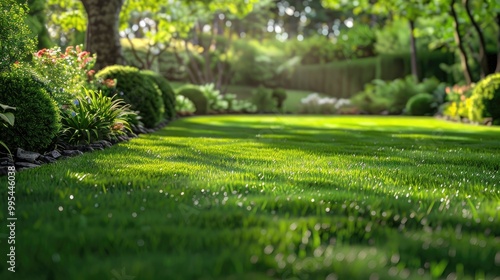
column 66, row 73
column 458, row 101
column 314, row 104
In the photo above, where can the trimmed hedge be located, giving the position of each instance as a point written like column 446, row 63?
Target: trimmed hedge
column 420, row 105
column 196, row 96
column 485, row 99
column 37, row 119
column 141, row 93
column 344, row 79
column 167, row 93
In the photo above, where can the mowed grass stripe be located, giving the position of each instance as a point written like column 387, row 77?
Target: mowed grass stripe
column 268, row 197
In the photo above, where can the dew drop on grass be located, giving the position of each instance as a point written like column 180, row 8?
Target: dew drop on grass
column 60, row 208
column 96, row 205
column 71, row 197
column 140, row 242
column 110, row 215
column 134, row 214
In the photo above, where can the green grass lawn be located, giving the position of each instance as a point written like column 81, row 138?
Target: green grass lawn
column 274, row 197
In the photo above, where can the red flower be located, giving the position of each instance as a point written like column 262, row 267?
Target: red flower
column 69, row 49
column 109, row 83
column 40, row 52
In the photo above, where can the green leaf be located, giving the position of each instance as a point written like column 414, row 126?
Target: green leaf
column 8, row 118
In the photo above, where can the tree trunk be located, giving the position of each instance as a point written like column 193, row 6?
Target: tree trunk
column 483, row 58
column 458, row 40
column 413, row 49
column 103, row 36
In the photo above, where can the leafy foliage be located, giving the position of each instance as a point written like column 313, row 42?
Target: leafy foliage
column 135, row 89
column 183, row 105
column 216, row 102
column 380, row 96
column 262, row 98
column 16, row 40
column 167, row 93
column 65, row 72
column 196, row 96
column 485, row 99
column 37, row 116
column 458, row 101
column 6, row 118
column 93, row 117
column 279, row 95
column 420, row 104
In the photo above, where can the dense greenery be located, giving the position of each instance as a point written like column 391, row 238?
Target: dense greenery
column 420, row 105
column 37, row 119
column 485, row 99
column 16, row 39
column 93, row 117
column 139, row 91
column 167, row 93
column 268, row 198
column 196, row 96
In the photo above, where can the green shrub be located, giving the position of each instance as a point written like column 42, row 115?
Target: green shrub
column 184, row 105
column 95, row 117
column 167, row 93
column 485, row 99
column 279, row 95
column 142, row 94
column 196, row 96
column 391, row 97
column 16, row 39
column 66, row 73
column 216, row 102
column 263, row 100
column 37, row 115
column 458, row 101
column 420, row 105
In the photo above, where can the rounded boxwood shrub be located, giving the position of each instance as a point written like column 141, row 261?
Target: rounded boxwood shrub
column 37, row 119
column 420, row 104
column 279, row 95
column 485, row 99
column 196, row 96
column 141, row 93
column 167, row 93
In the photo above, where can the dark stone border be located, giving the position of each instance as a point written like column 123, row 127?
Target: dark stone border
column 23, row 160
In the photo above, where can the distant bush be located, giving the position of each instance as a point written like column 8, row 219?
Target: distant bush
column 142, row 94
column 216, row 102
column 279, row 95
column 167, row 93
column 37, row 116
column 184, row 106
column 262, row 98
column 391, row 97
column 485, row 99
column 196, row 96
column 458, row 101
column 420, row 105
column 315, row 104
